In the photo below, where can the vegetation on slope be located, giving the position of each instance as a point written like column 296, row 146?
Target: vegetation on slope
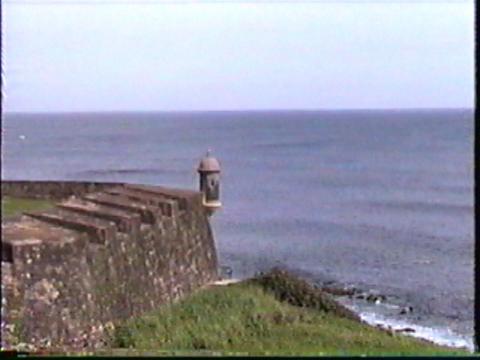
column 272, row 314
column 15, row 206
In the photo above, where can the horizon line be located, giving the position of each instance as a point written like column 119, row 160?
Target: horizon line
column 238, row 110
column 193, row 2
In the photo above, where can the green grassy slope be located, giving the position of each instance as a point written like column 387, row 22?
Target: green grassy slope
column 273, row 314
column 245, row 318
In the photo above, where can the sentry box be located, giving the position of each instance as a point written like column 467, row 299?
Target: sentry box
column 209, row 171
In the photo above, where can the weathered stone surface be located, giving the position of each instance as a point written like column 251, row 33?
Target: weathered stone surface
column 51, row 189
column 148, row 213
column 94, row 261
column 127, row 221
column 98, row 229
column 166, row 204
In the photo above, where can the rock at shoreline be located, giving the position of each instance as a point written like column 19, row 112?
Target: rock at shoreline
column 338, row 291
column 406, row 310
column 407, row 330
column 298, row 292
column 376, row 298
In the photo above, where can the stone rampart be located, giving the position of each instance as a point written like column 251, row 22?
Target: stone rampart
column 55, row 190
column 99, row 257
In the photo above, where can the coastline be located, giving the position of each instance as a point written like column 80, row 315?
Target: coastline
column 376, row 311
column 443, row 336
column 372, row 224
column 284, row 326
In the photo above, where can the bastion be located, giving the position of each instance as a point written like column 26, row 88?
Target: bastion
column 104, row 253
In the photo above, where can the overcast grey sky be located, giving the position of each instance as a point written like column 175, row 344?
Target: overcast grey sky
column 117, row 56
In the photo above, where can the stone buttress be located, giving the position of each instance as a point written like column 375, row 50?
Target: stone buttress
column 101, row 257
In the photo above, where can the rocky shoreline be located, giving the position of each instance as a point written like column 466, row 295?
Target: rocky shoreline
column 386, row 312
column 380, row 311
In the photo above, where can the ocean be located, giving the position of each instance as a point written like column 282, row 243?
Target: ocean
column 379, row 200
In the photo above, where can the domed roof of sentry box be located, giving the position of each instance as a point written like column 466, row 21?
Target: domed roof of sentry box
column 209, row 163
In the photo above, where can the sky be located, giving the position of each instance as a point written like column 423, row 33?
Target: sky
column 119, row 55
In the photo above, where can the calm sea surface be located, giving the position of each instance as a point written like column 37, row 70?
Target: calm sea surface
column 375, row 199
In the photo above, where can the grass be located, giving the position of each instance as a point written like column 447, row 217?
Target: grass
column 12, row 206
column 272, row 314
column 250, row 318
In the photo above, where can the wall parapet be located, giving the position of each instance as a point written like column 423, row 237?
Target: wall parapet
column 54, row 190
column 105, row 253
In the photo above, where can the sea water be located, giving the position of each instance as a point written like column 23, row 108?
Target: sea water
column 380, row 200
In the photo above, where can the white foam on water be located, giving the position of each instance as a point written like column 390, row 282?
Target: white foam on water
column 440, row 336
column 226, row 282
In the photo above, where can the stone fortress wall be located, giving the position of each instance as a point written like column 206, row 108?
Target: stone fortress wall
column 104, row 253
